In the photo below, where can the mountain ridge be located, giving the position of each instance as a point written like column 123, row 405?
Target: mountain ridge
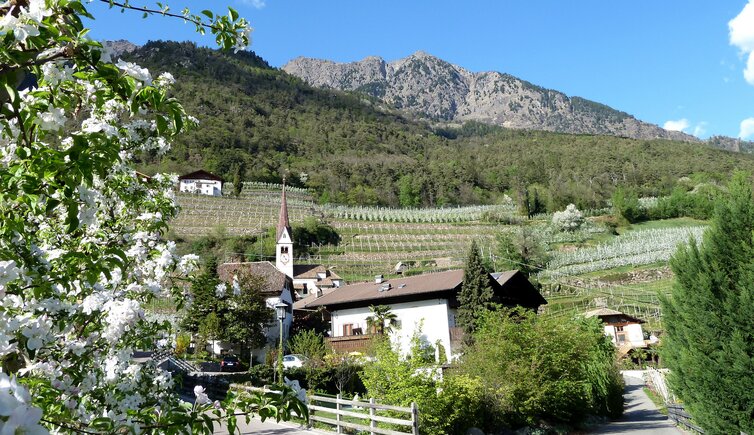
column 459, row 95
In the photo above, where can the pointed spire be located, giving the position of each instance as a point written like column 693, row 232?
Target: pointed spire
column 283, row 219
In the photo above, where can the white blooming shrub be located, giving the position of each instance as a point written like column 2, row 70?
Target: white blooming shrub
column 568, row 220
column 81, row 248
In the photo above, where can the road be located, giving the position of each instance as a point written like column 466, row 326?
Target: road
column 640, row 416
column 257, row 427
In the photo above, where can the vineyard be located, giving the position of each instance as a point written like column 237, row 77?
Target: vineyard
column 626, row 272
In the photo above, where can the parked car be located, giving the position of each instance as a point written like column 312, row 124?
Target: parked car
column 231, row 364
column 293, row 361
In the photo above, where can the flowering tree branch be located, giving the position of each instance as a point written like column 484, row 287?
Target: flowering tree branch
column 81, row 247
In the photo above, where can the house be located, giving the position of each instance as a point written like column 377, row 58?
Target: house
column 422, row 303
column 202, row 183
column 278, row 287
column 625, row 331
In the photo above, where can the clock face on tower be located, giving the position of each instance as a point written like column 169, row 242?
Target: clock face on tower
column 284, row 258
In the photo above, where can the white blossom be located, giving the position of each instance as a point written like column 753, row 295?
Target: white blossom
column 135, row 71
column 220, row 290
column 52, row 120
column 201, row 396
column 121, row 316
column 9, row 271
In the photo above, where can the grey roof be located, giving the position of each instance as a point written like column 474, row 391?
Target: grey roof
column 275, row 279
column 369, row 292
column 510, row 288
column 607, row 312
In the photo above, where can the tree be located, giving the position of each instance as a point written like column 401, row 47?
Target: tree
column 209, row 331
column 568, row 220
column 382, row 319
column 237, row 180
column 206, row 290
column 81, row 233
column 476, row 293
column 247, row 315
column 523, row 250
column 709, row 344
column 535, row 368
column 310, row 344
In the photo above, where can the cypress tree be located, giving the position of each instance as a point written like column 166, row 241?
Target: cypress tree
column 476, row 294
column 709, row 318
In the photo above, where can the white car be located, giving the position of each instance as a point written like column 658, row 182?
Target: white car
column 293, row 361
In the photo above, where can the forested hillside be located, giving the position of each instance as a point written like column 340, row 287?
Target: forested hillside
column 264, row 122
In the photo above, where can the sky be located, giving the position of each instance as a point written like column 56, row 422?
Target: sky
column 681, row 64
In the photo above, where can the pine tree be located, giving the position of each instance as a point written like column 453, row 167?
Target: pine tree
column 709, row 317
column 476, row 294
column 204, row 298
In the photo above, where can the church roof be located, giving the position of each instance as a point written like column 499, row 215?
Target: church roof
column 275, row 279
column 283, row 222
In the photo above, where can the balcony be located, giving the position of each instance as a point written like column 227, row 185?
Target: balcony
column 350, row 343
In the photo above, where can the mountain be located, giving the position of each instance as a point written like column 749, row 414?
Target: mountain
column 433, row 88
column 348, row 148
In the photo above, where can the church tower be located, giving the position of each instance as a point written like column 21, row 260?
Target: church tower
column 284, row 246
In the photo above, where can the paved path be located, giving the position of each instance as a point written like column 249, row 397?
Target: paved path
column 640, row 416
column 257, row 427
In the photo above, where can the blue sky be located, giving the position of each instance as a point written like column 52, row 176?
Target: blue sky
column 678, row 62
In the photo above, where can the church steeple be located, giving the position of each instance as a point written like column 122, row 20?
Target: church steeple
column 283, row 218
column 284, row 246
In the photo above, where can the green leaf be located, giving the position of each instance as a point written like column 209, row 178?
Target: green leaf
column 208, row 14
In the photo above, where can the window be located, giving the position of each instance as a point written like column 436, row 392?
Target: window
column 283, row 250
column 348, row 329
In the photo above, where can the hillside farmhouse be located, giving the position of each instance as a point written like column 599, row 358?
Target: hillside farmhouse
column 625, row 331
column 202, row 183
column 424, row 304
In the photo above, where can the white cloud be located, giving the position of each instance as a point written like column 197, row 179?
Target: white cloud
column 741, row 33
column 700, row 129
column 747, row 128
column 679, row 125
column 259, row 4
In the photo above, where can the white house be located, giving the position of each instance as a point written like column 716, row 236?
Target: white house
column 424, row 304
column 201, row 182
column 278, row 287
column 625, row 331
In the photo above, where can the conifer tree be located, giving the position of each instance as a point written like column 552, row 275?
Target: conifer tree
column 476, row 294
column 709, row 317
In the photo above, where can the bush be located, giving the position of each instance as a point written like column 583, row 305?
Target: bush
column 542, row 368
column 568, row 220
column 450, row 404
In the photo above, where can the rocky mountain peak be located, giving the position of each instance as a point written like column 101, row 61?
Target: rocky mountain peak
column 436, row 89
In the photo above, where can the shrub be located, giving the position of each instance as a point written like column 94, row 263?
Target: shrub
column 542, row 368
column 568, row 220
column 446, row 404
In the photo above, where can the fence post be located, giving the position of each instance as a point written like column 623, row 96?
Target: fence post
column 372, row 423
column 311, row 410
column 337, row 413
column 414, row 419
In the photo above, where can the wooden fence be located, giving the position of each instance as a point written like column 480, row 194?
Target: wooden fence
column 350, row 414
column 681, row 417
column 353, row 414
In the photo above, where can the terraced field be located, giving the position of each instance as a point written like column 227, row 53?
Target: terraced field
column 627, row 272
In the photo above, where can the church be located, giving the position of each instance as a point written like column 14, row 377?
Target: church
column 284, row 281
